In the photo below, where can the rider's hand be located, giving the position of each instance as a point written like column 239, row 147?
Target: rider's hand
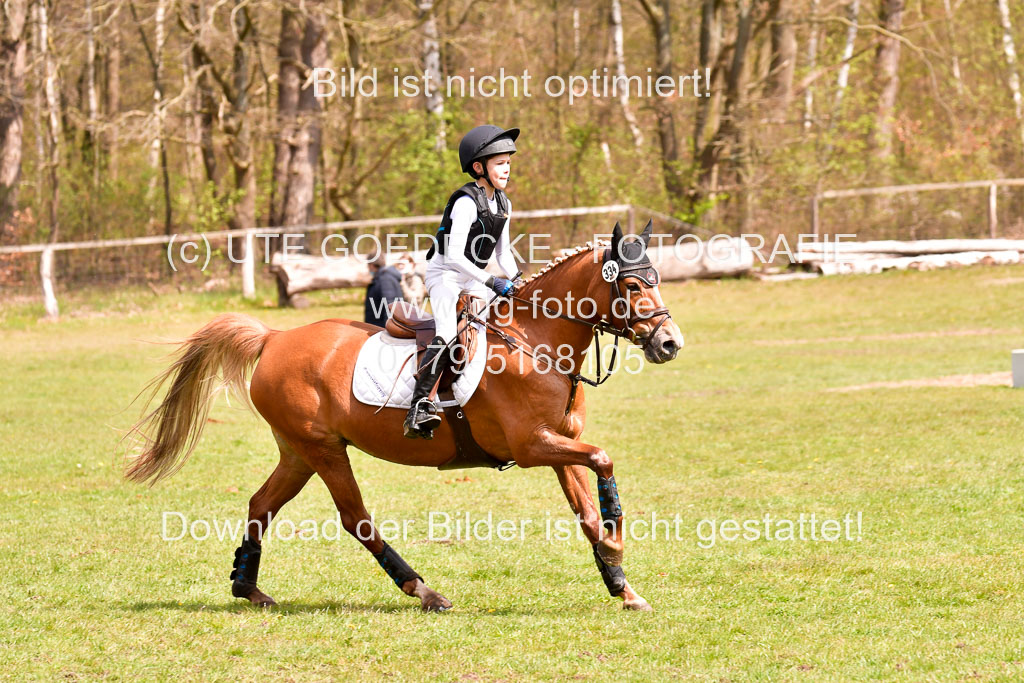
column 500, row 285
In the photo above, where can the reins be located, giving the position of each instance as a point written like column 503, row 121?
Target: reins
column 599, row 328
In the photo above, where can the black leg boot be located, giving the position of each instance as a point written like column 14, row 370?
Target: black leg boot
column 423, row 418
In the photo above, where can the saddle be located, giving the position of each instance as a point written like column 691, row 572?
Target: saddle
column 409, row 322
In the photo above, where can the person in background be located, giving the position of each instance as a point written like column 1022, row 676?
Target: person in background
column 413, row 288
column 384, row 289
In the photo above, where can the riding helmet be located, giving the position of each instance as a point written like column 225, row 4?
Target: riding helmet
column 483, row 142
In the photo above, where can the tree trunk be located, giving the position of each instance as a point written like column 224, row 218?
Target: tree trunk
column 431, row 64
column 660, row 18
column 887, row 64
column 238, row 125
column 955, row 60
column 302, row 46
column 347, row 199
column 732, row 138
column 12, row 94
column 575, row 33
column 205, row 103
column 158, row 146
column 620, row 72
column 1011, row 64
column 289, row 53
column 709, row 51
column 852, row 12
column 92, row 100
column 113, row 97
column 812, row 63
column 783, row 62
column 53, row 131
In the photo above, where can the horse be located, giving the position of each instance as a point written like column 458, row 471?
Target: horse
column 529, row 413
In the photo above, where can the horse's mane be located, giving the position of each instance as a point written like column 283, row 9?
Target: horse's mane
column 566, row 256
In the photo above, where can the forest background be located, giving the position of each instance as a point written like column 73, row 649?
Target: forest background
column 145, row 117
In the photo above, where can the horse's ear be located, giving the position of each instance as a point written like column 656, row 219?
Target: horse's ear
column 616, row 239
column 648, row 231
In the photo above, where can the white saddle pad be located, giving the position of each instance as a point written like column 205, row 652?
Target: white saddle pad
column 381, row 357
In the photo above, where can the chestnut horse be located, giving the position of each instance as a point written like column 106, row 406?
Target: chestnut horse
column 528, row 412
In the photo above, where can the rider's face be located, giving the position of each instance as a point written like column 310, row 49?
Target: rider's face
column 498, row 169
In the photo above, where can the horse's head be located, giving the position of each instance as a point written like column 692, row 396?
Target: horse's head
column 637, row 307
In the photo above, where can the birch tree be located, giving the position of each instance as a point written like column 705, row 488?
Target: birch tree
column 615, row 19
column 812, row 63
column 430, row 58
column 112, row 95
column 1013, row 78
column 13, row 49
column 92, row 99
column 53, row 118
column 843, row 79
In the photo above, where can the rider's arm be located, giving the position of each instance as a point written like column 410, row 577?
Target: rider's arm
column 463, row 215
column 503, row 250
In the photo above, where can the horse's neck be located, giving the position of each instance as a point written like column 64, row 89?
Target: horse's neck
column 569, row 278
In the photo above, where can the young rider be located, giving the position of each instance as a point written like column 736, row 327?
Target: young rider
column 474, row 227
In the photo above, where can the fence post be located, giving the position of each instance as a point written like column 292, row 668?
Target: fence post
column 814, row 215
column 631, row 219
column 249, row 265
column 992, row 218
column 46, row 275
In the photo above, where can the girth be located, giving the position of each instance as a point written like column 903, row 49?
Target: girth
column 468, row 452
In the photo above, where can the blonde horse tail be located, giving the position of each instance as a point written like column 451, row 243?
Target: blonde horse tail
column 226, row 347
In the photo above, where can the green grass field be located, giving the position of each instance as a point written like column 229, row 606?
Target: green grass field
column 740, row 425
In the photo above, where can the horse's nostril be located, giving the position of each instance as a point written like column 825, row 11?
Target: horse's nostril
column 669, row 346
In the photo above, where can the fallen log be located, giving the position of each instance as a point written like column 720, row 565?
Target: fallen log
column 911, row 248
column 921, row 262
column 309, row 272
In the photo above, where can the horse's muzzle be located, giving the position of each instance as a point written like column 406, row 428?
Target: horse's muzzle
column 665, row 346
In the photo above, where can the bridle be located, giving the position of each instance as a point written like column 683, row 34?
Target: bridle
column 646, row 273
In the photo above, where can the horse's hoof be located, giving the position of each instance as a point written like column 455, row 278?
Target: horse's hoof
column 637, row 605
column 437, row 603
column 260, row 599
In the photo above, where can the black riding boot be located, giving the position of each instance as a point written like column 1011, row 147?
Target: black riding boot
column 423, row 418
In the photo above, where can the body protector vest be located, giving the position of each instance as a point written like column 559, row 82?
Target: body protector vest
column 485, row 230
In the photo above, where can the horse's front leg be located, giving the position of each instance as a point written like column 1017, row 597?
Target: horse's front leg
column 576, row 485
column 561, row 452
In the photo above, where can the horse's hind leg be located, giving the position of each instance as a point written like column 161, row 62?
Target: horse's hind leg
column 575, row 481
column 283, row 485
column 336, row 471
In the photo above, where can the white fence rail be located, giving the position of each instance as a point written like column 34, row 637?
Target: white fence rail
column 992, row 185
column 249, row 236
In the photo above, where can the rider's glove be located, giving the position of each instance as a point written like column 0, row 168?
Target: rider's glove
column 500, row 285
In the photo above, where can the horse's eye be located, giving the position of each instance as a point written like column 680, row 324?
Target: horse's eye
column 633, row 287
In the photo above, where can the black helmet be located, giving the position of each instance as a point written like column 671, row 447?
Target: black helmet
column 485, row 141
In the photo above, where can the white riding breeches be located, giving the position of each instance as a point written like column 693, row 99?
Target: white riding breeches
column 443, row 288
